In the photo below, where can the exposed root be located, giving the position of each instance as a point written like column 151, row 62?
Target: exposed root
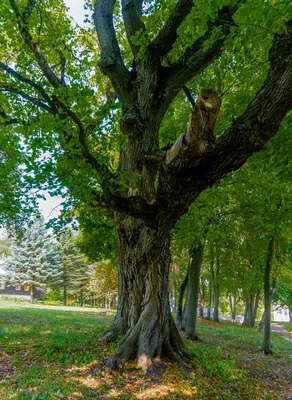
column 193, row 338
column 112, row 334
column 110, row 364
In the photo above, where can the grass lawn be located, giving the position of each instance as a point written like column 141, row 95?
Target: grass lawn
column 55, row 354
column 287, row 325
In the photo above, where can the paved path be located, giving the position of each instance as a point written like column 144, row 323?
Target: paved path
column 282, row 331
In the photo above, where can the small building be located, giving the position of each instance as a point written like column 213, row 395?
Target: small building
column 20, row 291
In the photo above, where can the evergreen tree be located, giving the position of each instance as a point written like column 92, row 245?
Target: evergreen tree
column 35, row 260
column 75, row 273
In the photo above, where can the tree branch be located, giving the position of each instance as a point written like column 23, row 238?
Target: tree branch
column 63, row 62
column 197, row 58
column 247, row 134
column 132, row 12
column 110, row 62
column 34, row 46
column 37, row 102
column 163, row 43
column 28, row 10
column 7, row 120
column 28, row 81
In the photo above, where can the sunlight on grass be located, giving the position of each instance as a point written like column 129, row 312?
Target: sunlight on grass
column 50, row 354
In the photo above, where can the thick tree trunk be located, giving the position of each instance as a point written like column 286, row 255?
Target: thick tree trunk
column 143, row 318
column 179, row 311
column 267, row 287
column 190, row 313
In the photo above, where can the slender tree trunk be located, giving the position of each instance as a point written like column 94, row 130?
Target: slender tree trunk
column 267, row 287
column 290, row 313
column 179, row 311
column 250, row 309
column 272, row 291
column 81, row 297
column 255, row 309
column 143, row 317
column 262, row 322
column 246, row 310
column 210, row 295
column 32, row 289
column 190, row 314
column 201, row 307
column 232, row 302
column 216, row 303
column 65, row 295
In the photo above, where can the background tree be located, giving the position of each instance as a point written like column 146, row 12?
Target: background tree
column 34, row 259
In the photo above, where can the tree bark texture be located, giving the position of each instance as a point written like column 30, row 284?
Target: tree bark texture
column 144, row 319
column 190, row 312
column 267, row 287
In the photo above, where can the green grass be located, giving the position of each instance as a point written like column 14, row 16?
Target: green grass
column 56, row 354
column 287, row 325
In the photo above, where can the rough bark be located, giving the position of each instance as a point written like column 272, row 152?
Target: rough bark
column 179, row 311
column 267, row 287
column 144, row 319
column 190, row 313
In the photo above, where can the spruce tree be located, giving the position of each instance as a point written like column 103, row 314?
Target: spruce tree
column 75, row 273
column 35, row 260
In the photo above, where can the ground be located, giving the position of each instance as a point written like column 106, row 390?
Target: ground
column 56, row 354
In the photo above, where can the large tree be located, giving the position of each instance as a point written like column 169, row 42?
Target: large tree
column 149, row 51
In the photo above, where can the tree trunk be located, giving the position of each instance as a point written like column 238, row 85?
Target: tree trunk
column 290, row 313
column 210, row 295
column 190, row 314
column 245, row 321
column 232, row 302
column 272, row 291
column 81, row 297
column 267, row 287
column 216, row 303
column 201, row 307
column 255, row 306
column 143, row 317
column 179, row 311
column 32, row 293
column 65, row 295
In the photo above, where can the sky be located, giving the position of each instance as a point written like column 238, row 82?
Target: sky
column 50, row 207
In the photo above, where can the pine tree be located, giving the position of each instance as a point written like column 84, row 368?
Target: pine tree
column 35, row 260
column 75, row 273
